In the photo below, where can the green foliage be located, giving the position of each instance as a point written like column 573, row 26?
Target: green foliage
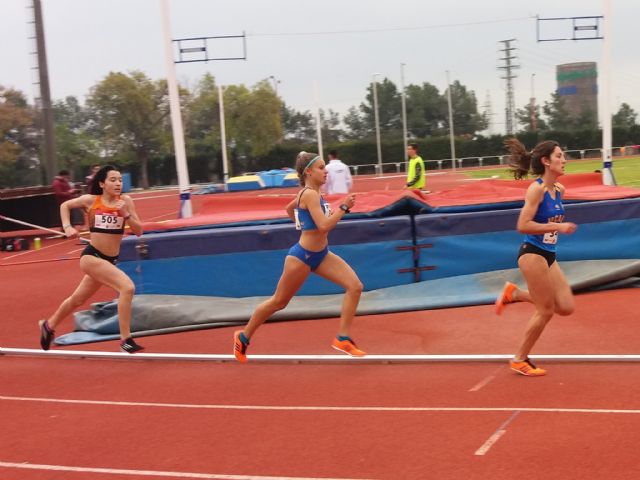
column 426, row 110
column 389, row 107
column 625, row 117
column 298, row 126
column 76, row 145
column 253, row 121
column 558, row 117
column 466, row 119
column 131, row 111
column 523, row 116
column 19, row 165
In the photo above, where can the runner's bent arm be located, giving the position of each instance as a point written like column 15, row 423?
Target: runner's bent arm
column 323, row 222
column 132, row 220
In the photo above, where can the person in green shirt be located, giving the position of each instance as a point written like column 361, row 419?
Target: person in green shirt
column 416, row 175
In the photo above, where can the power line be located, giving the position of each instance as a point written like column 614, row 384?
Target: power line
column 393, row 29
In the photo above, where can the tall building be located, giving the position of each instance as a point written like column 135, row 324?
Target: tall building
column 578, row 87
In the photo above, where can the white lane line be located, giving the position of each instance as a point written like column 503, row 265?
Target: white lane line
column 60, row 353
column 320, row 408
column 153, row 473
column 484, row 382
column 502, row 429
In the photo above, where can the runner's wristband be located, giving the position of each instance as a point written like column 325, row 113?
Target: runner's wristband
column 64, row 227
column 344, row 208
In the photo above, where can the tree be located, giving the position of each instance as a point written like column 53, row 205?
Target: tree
column 76, row 143
column 466, row 119
column 202, row 123
column 625, row 117
column 523, row 116
column 587, row 119
column 131, row 112
column 389, row 107
column 18, row 140
column 426, row 110
column 253, row 120
column 357, row 128
column 330, row 121
column 558, row 117
column 298, row 126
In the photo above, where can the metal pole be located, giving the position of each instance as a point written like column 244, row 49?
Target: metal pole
column 377, row 121
column 605, row 98
column 534, row 123
column 318, row 119
column 223, row 137
column 176, row 117
column 49, row 150
column 451, row 132
column 403, row 96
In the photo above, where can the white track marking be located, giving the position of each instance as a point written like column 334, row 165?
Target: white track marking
column 30, row 352
column 502, row 429
column 152, row 473
column 484, row 382
column 318, row 408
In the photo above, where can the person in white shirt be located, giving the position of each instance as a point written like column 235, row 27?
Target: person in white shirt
column 338, row 175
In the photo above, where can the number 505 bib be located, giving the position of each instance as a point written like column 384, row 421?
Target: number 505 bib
column 107, row 221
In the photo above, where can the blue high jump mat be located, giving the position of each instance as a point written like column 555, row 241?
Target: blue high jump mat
column 160, row 314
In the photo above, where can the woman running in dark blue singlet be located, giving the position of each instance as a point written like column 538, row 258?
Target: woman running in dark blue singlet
column 313, row 217
column 541, row 219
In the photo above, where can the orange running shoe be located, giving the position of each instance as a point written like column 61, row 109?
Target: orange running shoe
column 347, row 346
column 506, row 296
column 527, row 368
column 239, row 347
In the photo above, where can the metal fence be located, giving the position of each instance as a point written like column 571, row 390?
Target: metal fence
column 486, row 161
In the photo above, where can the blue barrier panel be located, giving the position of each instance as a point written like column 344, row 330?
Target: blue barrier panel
column 247, row 261
column 126, row 182
column 468, row 243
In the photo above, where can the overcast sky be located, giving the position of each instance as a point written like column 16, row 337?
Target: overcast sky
column 338, row 43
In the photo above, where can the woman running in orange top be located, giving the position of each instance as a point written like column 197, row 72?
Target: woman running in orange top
column 108, row 211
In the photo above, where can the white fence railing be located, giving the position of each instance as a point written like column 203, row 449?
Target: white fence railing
column 485, row 161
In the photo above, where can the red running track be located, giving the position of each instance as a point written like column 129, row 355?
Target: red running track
column 136, row 419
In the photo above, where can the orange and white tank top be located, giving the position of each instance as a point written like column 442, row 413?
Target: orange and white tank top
column 104, row 219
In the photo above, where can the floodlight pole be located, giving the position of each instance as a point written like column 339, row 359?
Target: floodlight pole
column 223, row 136
column 176, row 116
column 452, row 141
column 605, row 103
column 49, row 144
column 377, row 122
column 404, row 115
column 318, row 118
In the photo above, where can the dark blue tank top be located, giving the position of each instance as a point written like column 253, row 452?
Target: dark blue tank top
column 304, row 221
column 549, row 210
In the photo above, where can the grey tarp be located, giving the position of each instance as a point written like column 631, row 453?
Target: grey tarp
column 158, row 314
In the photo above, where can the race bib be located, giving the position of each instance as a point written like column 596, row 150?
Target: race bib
column 550, row 238
column 298, row 224
column 107, row 221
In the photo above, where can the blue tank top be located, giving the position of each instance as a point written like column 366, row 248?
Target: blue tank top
column 549, row 210
column 304, row 220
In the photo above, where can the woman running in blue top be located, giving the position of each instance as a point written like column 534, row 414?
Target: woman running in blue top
column 313, row 216
column 541, row 219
